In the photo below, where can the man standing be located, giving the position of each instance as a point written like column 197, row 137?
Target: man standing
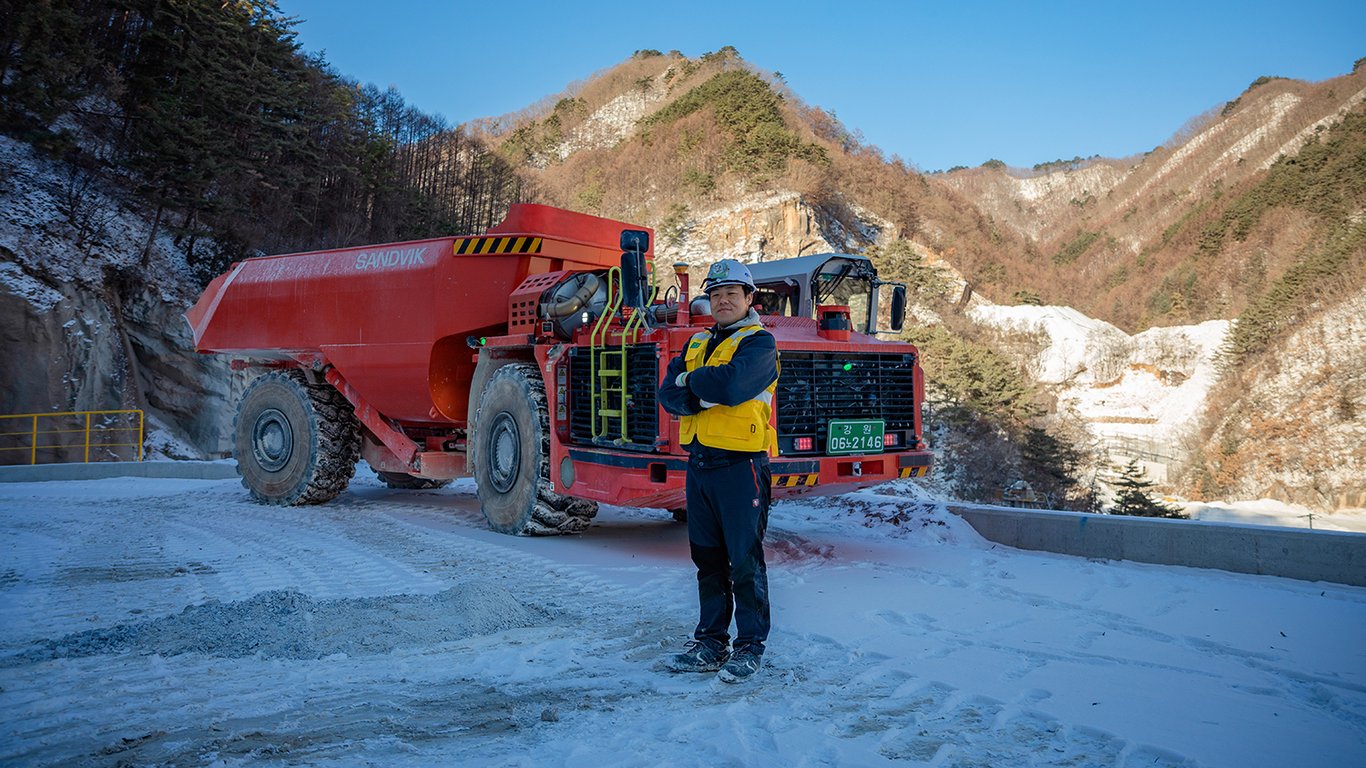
column 721, row 386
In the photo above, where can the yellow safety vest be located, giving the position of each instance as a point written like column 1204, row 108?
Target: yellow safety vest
column 744, row 427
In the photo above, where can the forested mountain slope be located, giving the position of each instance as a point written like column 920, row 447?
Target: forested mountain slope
column 151, row 143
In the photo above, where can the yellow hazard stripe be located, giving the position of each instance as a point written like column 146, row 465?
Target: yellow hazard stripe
column 483, row 245
column 914, row 471
column 792, row 481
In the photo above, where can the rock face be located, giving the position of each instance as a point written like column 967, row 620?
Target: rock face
column 612, row 122
column 1292, row 428
column 1032, row 205
column 1297, row 428
column 54, row 348
column 1140, row 396
column 86, row 323
column 197, row 394
column 1138, row 199
column 767, row 227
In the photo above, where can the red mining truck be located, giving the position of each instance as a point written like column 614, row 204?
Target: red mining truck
column 528, row 357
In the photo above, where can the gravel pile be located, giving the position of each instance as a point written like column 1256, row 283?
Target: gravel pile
column 291, row 625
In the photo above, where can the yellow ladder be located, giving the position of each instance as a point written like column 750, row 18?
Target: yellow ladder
column 608, row 366
column 606, row 373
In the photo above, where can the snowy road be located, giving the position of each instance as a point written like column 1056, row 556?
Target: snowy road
column 149, row 622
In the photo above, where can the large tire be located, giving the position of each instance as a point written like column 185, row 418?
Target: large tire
column 405, row 482
column 510, row 452
column 296, row 443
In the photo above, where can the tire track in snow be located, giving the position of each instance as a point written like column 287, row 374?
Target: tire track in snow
column 1313, row 691
column 418, row 704
column 797, row 675
column 298, row 548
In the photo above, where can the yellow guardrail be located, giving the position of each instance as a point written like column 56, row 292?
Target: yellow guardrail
column 70, row 432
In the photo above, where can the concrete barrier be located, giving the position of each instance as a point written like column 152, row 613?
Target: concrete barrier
column 183, row 470
column 1297, row 554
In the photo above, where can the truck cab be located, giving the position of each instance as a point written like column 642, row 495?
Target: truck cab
column 798, row 287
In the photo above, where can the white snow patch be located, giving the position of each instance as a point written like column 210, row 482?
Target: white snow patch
column 172, row 622
column 161, row 443
column 1275, row 513
column 35, row 292
column 1163, row 388
column 1079, row 348
column 1139, row 395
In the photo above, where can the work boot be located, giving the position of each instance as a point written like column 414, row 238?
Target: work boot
column 698, row 657
column 742, row 665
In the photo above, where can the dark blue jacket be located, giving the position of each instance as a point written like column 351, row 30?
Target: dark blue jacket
column 750, row 371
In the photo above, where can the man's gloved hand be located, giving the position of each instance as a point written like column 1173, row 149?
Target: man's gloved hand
column 681, row 380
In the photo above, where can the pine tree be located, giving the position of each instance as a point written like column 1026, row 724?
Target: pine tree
column 226, row 129
column 1050, row 465
column 1133, row 496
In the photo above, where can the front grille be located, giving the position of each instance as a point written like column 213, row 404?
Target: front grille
column 642, row 381
column 815, row 387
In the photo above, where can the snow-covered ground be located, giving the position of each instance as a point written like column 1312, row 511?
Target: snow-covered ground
column 1141, row 397
column 172, row 622
column 1149, row 388
column 1272, row 512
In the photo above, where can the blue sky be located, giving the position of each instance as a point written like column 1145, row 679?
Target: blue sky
column 940, row 84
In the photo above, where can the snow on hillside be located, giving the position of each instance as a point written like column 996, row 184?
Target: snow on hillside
column 1076, row 348
column 172, row 622
column 43, row 204
column 1140, row 394
column 611, row 123
column 1277, row 513
column 1161, row 393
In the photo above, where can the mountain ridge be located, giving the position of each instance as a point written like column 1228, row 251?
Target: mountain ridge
column 724, row 160
column 1135, row 242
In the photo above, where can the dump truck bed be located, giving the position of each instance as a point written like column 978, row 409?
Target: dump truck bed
column 393, row 319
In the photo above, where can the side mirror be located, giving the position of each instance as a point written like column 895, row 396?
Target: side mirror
column 898, row 307
column 635, row 240
column 635, row 279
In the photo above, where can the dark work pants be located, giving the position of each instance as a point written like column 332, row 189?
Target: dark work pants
column 727, row 517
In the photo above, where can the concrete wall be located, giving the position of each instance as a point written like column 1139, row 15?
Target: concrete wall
column 1296, row 554
column 184, row 470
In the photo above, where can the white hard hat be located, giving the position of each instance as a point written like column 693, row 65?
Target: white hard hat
column 727, row 272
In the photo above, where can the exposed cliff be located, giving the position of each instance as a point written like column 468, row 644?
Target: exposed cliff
column 1291, row 425
column 1132, row 240
column 88, row 323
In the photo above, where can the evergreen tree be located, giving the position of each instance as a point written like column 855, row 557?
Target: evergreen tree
column 227, row 130
column 1134, row 496
column 1050, row 465
column 972, row 378
column 900, row 262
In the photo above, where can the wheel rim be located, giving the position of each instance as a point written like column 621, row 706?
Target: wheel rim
column 272, row 441
column 505, row 452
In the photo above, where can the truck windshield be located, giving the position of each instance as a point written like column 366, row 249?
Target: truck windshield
column 841, row 282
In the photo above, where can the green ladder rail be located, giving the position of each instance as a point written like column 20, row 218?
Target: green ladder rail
column 608, row 374
column 606, row 377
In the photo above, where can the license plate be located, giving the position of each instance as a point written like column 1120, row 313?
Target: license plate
column 847, row 436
